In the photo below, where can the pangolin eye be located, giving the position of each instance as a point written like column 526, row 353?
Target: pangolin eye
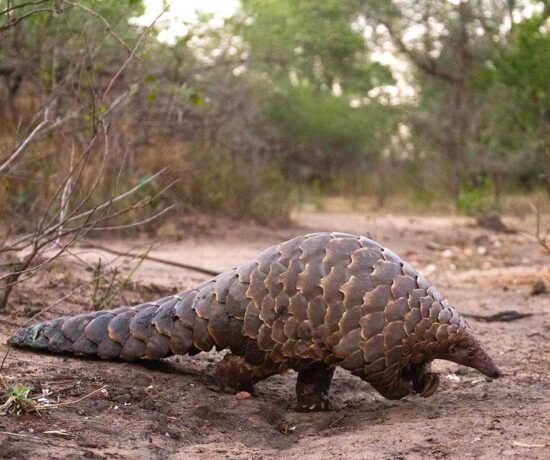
column 470, row 353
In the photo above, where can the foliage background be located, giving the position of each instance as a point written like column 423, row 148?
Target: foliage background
column 286, row 100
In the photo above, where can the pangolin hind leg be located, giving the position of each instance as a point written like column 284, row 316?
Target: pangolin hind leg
column 235, row 373
column 312, row 387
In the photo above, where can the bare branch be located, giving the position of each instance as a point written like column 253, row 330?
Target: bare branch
column 152, row 259
column 25, row 16
column 134, row 50
column 108, row 26
column 19, row 150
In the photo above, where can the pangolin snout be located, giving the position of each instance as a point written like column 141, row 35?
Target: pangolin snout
column 485, row 365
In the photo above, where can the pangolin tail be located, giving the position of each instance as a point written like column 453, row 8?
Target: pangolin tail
column 152, row 330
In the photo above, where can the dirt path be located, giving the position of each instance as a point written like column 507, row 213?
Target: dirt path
column 173, row 409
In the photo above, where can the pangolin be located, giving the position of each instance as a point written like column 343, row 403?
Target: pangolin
column 310, row 304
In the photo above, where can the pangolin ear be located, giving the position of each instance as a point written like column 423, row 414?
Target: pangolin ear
column 451, row 349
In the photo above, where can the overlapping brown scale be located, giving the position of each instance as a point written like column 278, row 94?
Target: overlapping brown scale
column 223, row 284
column 373, row 348
column 289, row 278
column 408, row 344
column 314, row 352
column 372, row 324
column 313, row 247
column 256, row 289
column 236, row 300
column 234, row 335
column 59, row 343
column 267, row 310
column 429, row 333
column 132, row 349
column 290, row 249
column 435, row 309
column 201, row 336
column 442, row 333
column 385, row 272
column 272, row 282
column 412, row 318
column 165, row 317
column 396, row 309
column 353, row 361
column 432, row 291
column 363, row 260
column 245, row 271
column 339, row 249
column 282, row 301
column 158, row 346
column 394, row 334
column 376, row 366
column 355, row 288
column 217, row 326
column 181, row 338
column 205, row 304
column 290, row 326
column 304, row 331
column 119, row 327
column 424, row 324
column 252, row 321
column 333, row 339
column 277, row 331
column 376, row 299
column 331, row 283
column 316, row 311
column 348, row 343
column 73, row 328
column 84, row 346
column 350, row 319
column 297, row 306
column 96, row 330
column 393, row 356
column 309, row 280
column 141, row 325
column 266, row 258
column 287, row 349
column 265, row 342
column 368, row 243
column 335, row 311
column 321, row 334
column 390, row 256
column 402, row 285
column 444, row 316
column 414, row 297
column 108, row 349
column 425, row 305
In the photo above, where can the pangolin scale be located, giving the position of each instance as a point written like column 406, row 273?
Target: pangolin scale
column 310, row 304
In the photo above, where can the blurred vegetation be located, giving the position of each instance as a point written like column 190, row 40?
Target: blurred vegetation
column 287, row 99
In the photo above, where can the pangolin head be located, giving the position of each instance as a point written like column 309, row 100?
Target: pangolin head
column 467, row 350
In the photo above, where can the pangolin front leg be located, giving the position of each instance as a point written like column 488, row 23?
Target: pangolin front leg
column 312, row 387
column 424, row 381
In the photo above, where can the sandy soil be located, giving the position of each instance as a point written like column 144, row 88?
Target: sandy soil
column 174, row 410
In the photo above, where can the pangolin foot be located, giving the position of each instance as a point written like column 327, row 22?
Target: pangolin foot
column 426, row 384
column 314, row 405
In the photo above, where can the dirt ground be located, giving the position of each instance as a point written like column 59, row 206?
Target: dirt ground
column 173, row 409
